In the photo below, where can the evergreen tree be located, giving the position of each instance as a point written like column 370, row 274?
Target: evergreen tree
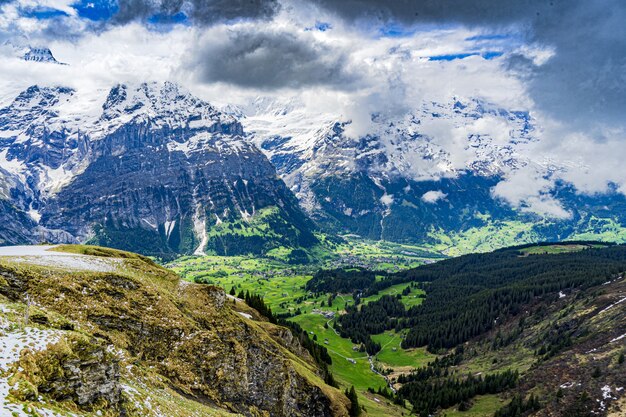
column 355, row 409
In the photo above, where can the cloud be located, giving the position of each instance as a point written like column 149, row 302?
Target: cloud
column 264, row 58
column 531, row 191
column 433, row 196
column 129, row 53
column 471, row 12
column 570, row 57
column 387, row 199
column 584, row 81
column 203, row 12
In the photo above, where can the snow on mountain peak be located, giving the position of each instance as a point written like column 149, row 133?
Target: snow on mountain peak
column 433, row 141
column 164, row 104
column 47, row 133
column 40, row 54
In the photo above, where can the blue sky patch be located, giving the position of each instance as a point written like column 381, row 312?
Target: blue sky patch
column 43, row 13
column 451, row 57
column 491, row 54
column 394, row 30
column 490, row 37
column 96, row 10
column 323, row 26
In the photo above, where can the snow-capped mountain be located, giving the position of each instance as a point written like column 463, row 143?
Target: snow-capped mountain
column 432, row 169
column 395, row 147
column 152, row 168
column 367, row 184
column 147, row 167
column 23, row 49
column 40, row 54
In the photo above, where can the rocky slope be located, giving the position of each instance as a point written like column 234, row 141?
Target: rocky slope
column 149, row 168
column 92, row 331
column 568, row 352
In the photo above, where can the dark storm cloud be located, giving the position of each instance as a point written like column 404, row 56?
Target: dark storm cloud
column 199, row 11
column 583, row 84
column 267, row 59
column 460, row 11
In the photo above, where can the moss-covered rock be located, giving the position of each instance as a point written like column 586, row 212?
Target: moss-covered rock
column 77, row 368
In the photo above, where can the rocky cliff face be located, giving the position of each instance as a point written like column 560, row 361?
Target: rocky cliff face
column 154, row 169
column 119, row 338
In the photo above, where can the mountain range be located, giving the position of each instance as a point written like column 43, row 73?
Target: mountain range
column 154, row 169
column 401, row 183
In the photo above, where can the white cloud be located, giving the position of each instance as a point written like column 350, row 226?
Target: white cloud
column 433, row 196
column 530, row 189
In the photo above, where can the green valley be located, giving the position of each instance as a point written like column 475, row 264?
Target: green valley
column 516, row 342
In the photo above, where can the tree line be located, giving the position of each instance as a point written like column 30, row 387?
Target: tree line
column 472, row 294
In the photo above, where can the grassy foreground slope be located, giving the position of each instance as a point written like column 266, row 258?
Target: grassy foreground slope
column 141, row 342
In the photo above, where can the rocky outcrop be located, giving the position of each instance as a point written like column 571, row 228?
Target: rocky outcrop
column 76, row 369
column 188, row 334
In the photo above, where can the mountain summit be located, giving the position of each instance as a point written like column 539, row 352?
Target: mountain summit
column 40, row 54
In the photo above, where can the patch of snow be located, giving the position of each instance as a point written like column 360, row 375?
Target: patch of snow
column 34, row 214
column 11, row 345
column 56, row 179
column 169, row 226
column 246, row 315
column 606, row 392
column 41, row 255
column 562, row 294
column 245, row 215
column 618, row 338
column 14, row 166
column 200, row 227
column 179, row 147
column 149, row 223
column 72, row 262
column 30, row 250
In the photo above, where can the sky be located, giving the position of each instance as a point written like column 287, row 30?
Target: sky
column 563, row 61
